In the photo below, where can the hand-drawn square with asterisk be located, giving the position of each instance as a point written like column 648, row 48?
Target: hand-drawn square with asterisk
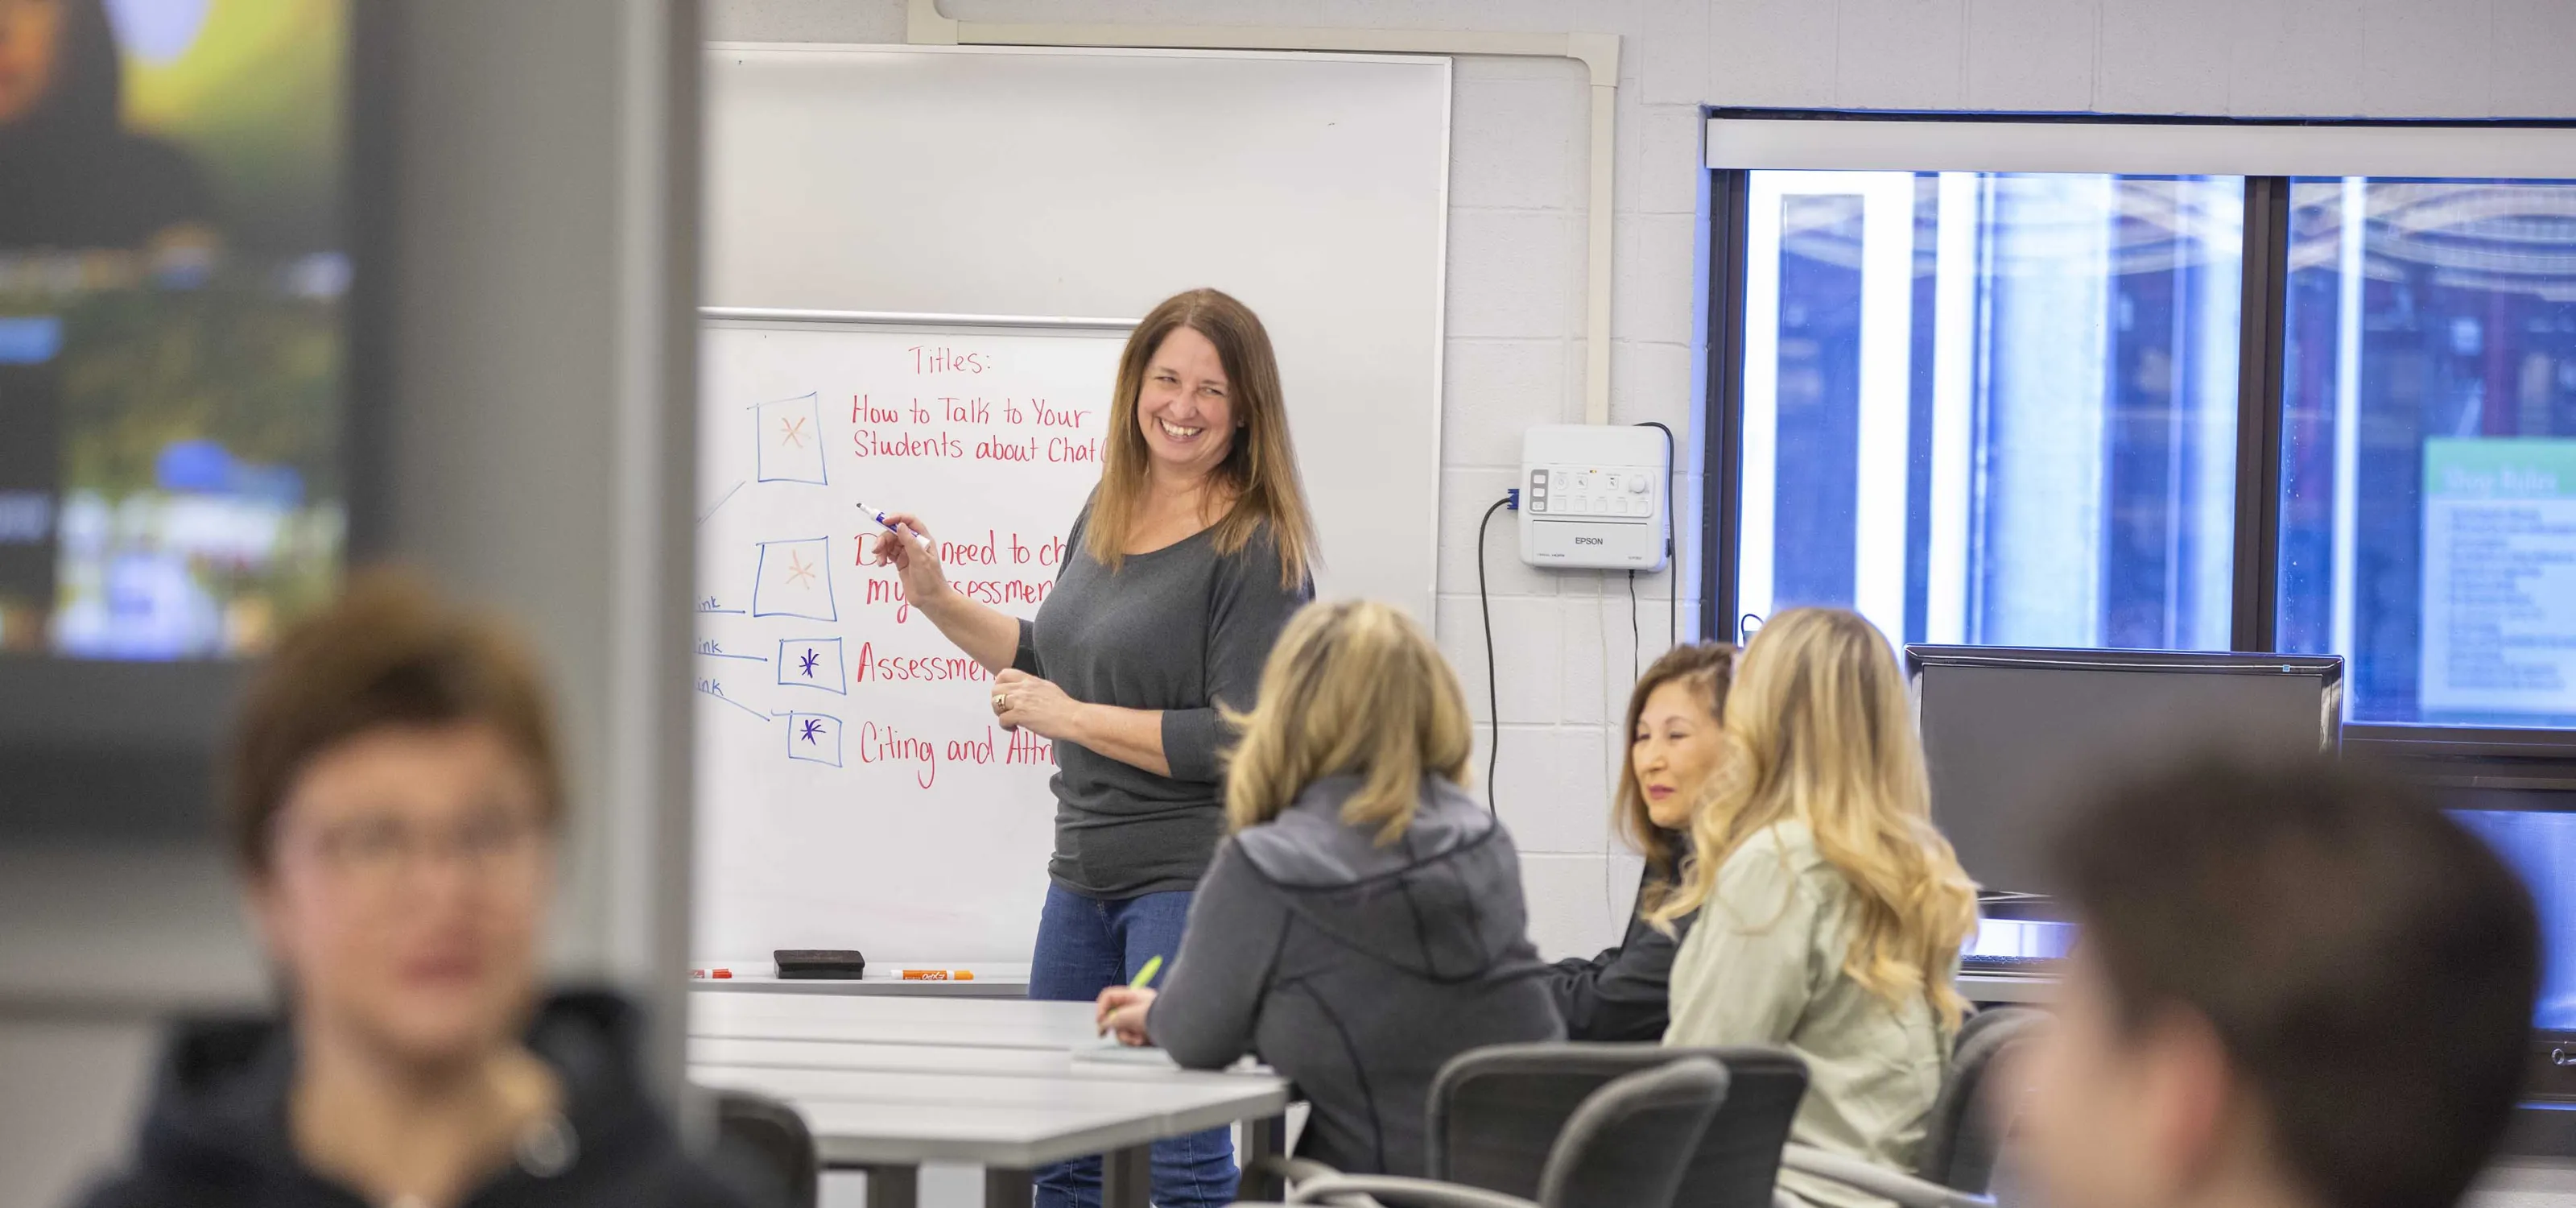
column 795, row 580
column 812, row 663
column 814, row 738
column 791, row 440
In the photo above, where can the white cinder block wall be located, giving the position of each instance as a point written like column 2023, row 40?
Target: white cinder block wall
column 1515, row 347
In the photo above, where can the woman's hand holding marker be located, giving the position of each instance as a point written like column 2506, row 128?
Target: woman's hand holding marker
column 907, row 547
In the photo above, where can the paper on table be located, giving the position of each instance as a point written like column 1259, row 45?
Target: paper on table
column 1107, row 1048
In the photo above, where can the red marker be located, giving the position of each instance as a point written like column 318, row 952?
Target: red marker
column 714, row 973
column 938, row 975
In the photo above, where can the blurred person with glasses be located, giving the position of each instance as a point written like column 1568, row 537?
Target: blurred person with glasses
column 394, row 803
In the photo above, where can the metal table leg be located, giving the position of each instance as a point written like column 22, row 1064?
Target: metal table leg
column 1126, row 1177
column 1264, row 1139
column 893, row 1186
column 1007, row 1188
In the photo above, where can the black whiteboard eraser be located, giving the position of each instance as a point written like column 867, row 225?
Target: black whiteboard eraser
column 820, row 964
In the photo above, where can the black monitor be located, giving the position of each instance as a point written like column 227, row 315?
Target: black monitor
column 2015, row 735
column 2534, row 829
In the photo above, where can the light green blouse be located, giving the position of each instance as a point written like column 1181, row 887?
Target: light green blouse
column 1764, row 966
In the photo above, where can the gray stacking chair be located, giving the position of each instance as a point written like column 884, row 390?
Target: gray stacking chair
column 764, row 1150
column 1628, row 1145
column 1964, row 1134
column 1495, row 1111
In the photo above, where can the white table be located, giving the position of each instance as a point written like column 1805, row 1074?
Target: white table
column 888, row 1083
column 963, row 1022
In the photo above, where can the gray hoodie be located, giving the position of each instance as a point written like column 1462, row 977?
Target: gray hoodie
column 1355, row 969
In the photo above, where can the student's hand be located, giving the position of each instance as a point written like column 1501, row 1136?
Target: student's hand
column 1023, row 701
column 1122, row 1013
column 923, row 577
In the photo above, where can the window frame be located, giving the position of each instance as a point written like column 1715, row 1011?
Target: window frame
column 2011, row 142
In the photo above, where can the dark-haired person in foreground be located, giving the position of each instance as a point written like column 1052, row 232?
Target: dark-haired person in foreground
column 2296, row 986
column 394, row 803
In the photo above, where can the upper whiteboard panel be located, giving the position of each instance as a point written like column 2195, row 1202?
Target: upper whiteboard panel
column 1040, row 182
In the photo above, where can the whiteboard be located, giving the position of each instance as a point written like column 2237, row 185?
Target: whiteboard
column 1037, row 183
column 862, row 797
column 1031, row 181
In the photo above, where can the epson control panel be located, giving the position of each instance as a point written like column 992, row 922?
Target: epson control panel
column 1593, row 497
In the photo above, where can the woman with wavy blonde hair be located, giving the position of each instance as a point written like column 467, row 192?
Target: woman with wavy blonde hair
column 1363, row 924
column 1830, row 910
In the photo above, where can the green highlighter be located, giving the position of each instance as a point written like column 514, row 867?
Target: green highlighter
column 1145, row 976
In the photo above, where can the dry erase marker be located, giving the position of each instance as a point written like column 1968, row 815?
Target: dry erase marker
column 938, row 975
column 713, row 973
column 880, row 518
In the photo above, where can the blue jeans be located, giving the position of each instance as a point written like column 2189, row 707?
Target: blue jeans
column 1086, row 945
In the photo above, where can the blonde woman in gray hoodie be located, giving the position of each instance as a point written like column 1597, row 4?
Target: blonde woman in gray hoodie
column 1363, row 923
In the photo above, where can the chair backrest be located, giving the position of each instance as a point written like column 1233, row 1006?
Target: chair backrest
column 1629, row 1143
column 765, row 1149
column 1495, row 1112
column 1738, row 1161
column 1966, row 1129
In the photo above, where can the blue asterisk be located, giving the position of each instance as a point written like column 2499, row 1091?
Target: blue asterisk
column 812, row 728
column 811, row 657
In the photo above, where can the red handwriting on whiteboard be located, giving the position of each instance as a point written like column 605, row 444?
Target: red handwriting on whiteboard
column 990, row 551
column 943, row 359
column 1029, row 748
column 865, row 410
column 886, row 744
column 1024, row 747
column 872, row 443
column 882, row 590
column 924, row 668
column 888, row 590
column 980, row 553
column 989, row 449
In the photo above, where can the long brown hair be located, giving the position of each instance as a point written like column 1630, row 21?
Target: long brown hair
column 1705, row 669
column 1818, row 730
column 1260, row 466
column 1353, row 687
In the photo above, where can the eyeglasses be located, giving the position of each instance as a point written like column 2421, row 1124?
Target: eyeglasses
column 375, row 851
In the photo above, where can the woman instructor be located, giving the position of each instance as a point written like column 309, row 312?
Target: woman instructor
column 1177, row 578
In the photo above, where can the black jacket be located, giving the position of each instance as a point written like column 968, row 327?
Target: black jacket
column 1625, row 992
column 215, row 1135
